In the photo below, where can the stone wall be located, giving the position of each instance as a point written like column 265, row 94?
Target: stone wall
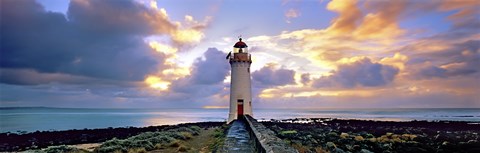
column 265, row 139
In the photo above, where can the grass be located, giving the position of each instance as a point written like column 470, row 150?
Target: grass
column 180, row 139
column 219, row 137
column 289, row 132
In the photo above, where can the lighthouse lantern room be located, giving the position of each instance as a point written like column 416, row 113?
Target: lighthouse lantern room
column 240, row 87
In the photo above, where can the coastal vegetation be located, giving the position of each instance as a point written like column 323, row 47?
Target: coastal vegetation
column 361, row 136
column 305, row 135
column 206, row 136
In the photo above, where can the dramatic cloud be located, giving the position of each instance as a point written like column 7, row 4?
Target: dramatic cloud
column 84, row 45
column 207, row 75
column 459, row 59
column 339, row 53
column 270, row 75
column 349, row 16
column 359, row 73
column 210, row 70
column 100, row 39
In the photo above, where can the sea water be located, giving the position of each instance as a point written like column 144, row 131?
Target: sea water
column 42, row 118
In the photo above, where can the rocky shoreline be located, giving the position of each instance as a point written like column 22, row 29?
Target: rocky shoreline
column 337, row 135
column 305, row 135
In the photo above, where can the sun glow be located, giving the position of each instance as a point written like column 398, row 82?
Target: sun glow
column 162, row 47
column 188, row 36
column 157, row 83
column 172, row 71
column 153, row 4
column 215, row 107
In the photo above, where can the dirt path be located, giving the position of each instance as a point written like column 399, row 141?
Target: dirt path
column 87, row 146
column 200, row 143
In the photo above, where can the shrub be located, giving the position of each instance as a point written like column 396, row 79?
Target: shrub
column 112, row 146
column 142, row 136
column 163, row 139
column 175, row 135
column 196, row 129
column 187, row 135
column 290, row 133
column 139, row 144
column 112, row 142
column 218, row 133
column 151, row 140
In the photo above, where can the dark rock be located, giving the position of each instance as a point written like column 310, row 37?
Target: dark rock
column 365, row 151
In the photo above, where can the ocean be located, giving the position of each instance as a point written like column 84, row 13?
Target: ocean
column 44, row 119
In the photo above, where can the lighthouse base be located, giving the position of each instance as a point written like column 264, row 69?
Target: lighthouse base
column 232, row 117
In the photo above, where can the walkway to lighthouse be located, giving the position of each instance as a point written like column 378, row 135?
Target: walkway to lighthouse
column 248, row 135
column 238, row 138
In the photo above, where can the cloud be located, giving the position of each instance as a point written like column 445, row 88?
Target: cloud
column 365, row 52
column 207, row 76
column 349, row 16
column 211, row 70
column 117, row 18
column 97, row 39
column 456, row 59
column 361, row 73
column 24, row 77
column 270, row 76
column 305, row 78
column 33, row 38
column 382, row 22
column 291, row 13
column 428, row 71
column 398, row 60
column 466, row 15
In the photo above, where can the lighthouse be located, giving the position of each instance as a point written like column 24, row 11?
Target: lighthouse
column 240, row 86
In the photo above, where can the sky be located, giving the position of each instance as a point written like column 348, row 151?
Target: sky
column 306, row 53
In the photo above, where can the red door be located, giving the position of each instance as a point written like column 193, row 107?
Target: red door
column 240, row 107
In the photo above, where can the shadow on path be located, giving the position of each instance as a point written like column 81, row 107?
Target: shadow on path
column 238, row 139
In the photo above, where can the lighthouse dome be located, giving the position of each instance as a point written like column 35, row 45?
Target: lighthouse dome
column 240, row 44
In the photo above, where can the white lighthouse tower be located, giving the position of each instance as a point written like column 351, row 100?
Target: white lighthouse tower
column 240, row 87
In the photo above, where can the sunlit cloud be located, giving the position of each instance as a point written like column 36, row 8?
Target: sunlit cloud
column 187, row 36
column 153, row 4
column 338, row 53
column 365, row 50
column 157, row 83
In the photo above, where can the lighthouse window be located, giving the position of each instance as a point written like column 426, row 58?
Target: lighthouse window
column 248, row 70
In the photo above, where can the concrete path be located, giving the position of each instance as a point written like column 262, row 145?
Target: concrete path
column 238, row 139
